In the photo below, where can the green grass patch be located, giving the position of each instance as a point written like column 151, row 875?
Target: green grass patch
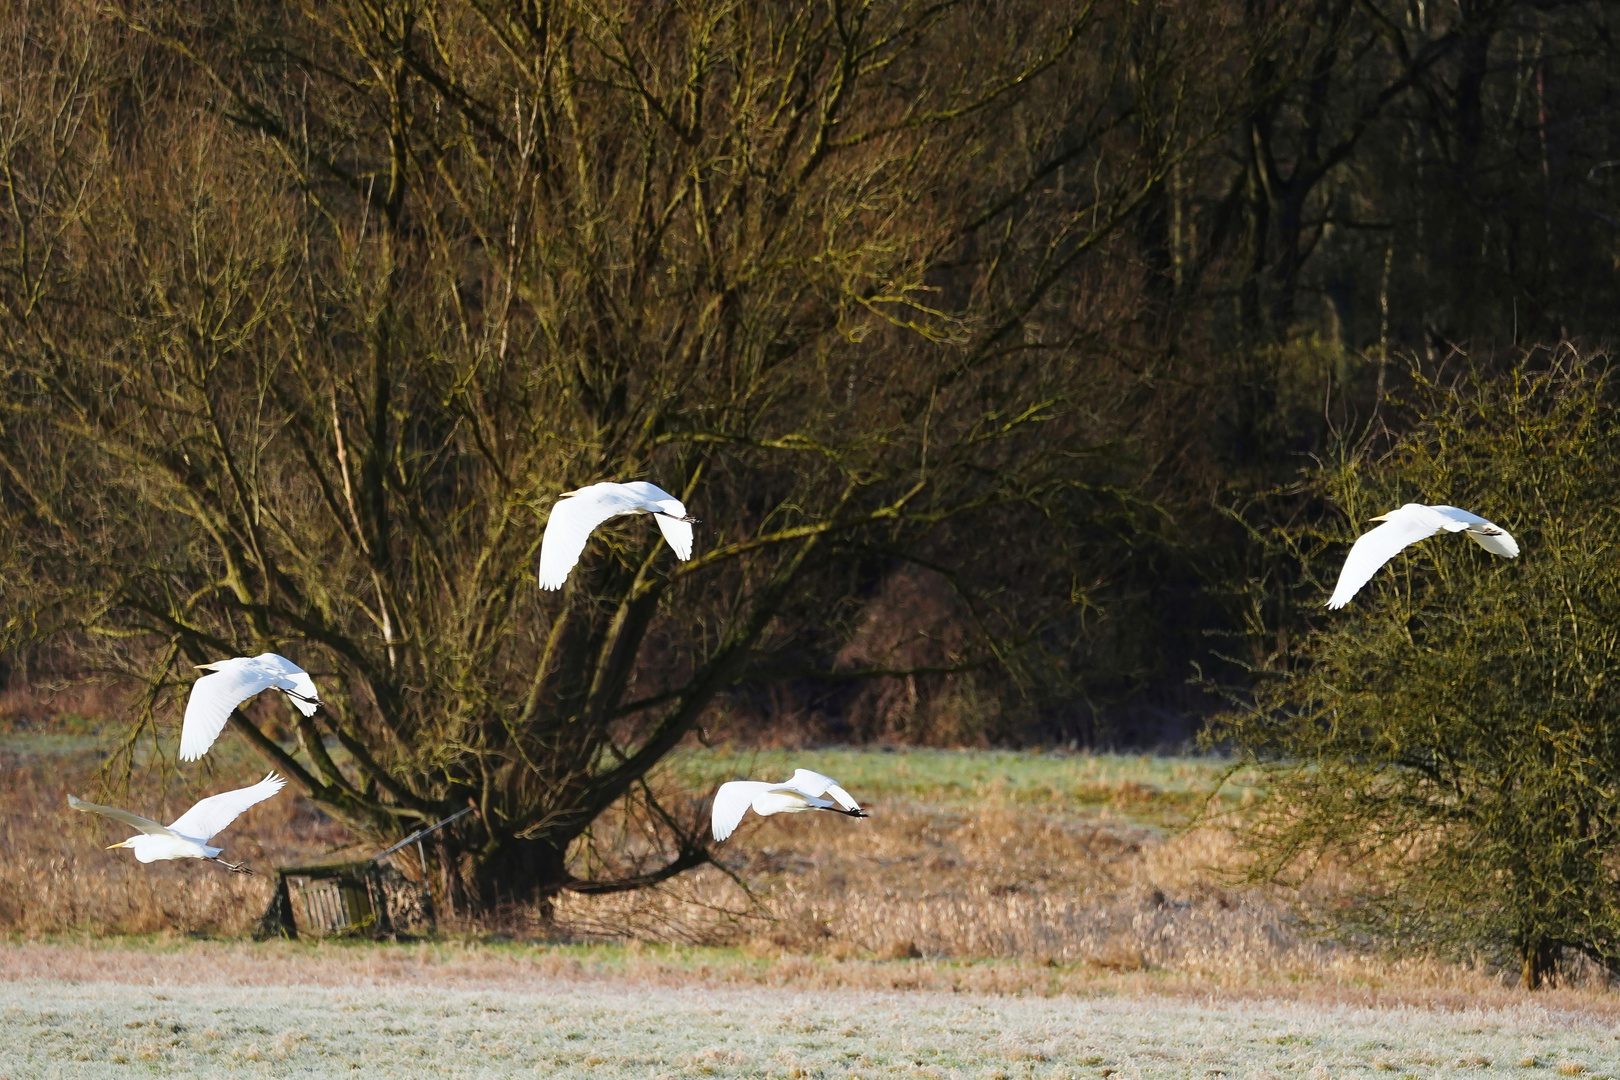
column 1149, row 788
column 1142, row 788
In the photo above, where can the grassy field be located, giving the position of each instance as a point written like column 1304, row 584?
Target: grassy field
column 187, row 1009
column 1000, row 914
column 1071, row 860
column 1044, row 856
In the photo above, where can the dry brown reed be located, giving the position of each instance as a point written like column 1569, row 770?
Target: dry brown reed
column 1002, row 881
column 56, row 878
column 994, row 896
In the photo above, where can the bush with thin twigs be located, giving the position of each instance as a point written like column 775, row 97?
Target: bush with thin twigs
column 1455, row 732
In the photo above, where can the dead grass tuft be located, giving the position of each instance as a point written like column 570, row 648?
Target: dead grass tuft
column 900, row 949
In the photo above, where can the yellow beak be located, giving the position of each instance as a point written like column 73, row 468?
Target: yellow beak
column 121, row 843
column 1380, row 517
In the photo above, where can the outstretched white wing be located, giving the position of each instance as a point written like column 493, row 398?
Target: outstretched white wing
column 1487, row 534
column 212, row 814
column 732, row 801
column 814, row 783
column 286, row 675
column 1375, row 548
column 305, row 698
column 677, row 533
column 843, row 798
column 649, row 495
column 134, row 821
column 212, row 698
column 1500, row 543
column 1458, row 516
column 573, row 519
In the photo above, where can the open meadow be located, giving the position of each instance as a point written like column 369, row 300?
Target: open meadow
column 388, row 1011
column 1000, row 914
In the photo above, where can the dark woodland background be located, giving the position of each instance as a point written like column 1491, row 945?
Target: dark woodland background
column 1311, row 201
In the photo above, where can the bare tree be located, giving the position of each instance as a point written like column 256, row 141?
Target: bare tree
column 299, row 348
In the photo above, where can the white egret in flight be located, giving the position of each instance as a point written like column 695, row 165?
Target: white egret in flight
column 803, row 792
column 1408, row 525
column 234, row 681
column 577, row 513
column 188, row 836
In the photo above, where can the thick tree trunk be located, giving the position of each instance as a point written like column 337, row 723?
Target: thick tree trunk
column 520, row 872
column 1540, row 963
column 477, row 882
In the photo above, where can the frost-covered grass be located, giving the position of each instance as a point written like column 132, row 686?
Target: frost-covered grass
column 618, row 1027
column 468, row 963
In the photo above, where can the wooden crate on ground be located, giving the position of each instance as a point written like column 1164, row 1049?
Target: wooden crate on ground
column 368, row 898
